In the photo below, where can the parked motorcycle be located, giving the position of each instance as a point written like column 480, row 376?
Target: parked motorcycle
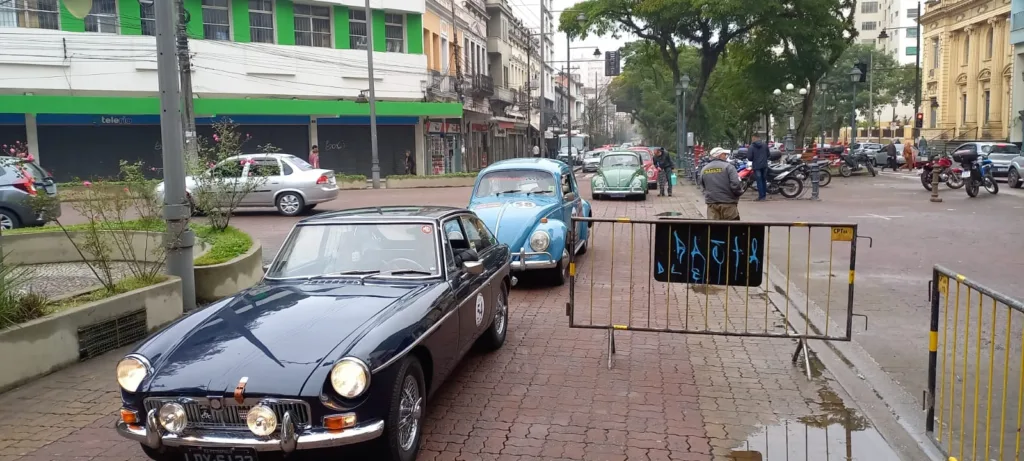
column 852, row 163
column 947, row 174
column 804, row 170
column 977, row 172
column 781, row 179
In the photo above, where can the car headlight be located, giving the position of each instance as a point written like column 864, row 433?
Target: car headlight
column 651, row 173
column 172, row 417
column 350, row 377
column 636, row 183
column 130, row 373
column 598, row 183
column 262, row 421
column 539, row 241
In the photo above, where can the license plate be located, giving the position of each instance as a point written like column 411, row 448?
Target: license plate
column 617, row 195
column 220, row 454
column 965, row 175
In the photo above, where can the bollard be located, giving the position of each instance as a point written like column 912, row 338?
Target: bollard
column 935, row 183
column 815, row 178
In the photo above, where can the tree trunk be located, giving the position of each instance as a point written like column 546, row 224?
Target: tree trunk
column 806, row 115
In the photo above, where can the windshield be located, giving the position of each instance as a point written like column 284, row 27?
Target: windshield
column 595, row 154
column 358, row 249
column 620, row 160
column 515, row 182
column 645, row 156
column 1001, row 149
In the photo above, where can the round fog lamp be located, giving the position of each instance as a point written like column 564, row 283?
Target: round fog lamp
column 172, row 417
column 261, row 421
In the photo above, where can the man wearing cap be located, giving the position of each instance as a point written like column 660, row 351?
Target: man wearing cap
column 722, row 188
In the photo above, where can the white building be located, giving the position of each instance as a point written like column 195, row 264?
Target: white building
column 899, row 20
column 82, row 92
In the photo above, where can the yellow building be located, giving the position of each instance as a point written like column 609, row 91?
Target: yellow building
column 967, row 67
column 438, row 44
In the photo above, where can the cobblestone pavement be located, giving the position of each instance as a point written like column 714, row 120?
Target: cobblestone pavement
column 548, row 394
column 58, row 279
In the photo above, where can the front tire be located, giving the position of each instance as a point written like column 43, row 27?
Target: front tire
column 494, row 337
column 990, row 185
column 971, row 188
column 290, row 204
column 9, row 220
column 824, row 177
column 403, row 431
column 871, row 169
column 791, row 188
column 163, row 454
column 1013, row 179
column 560, row 274
column 845, row 170
column 926, row 180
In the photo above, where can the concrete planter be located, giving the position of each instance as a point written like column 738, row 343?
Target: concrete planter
column 430, row 181
column 217, row 281
column 54, row 247
column 352, row 185
column 43, row 345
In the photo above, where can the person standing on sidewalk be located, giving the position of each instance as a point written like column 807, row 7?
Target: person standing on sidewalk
column 908, row 154
column 536, row 150
column 890, row 154
column 314, row 156
column 758, row 152
column 409, row 162
column 665, row 166
column 722, row 189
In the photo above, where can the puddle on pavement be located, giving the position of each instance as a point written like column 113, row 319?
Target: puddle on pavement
column 706, row 289
column 836, row 432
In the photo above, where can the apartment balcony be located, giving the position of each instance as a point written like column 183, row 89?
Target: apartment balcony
column 482, row 86
column 441, row 86
column 504, row 95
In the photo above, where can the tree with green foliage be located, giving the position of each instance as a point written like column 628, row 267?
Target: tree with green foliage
column 670, row 24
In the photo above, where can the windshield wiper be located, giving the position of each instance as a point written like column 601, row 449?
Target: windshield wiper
column 513, row 191
column 540, row 192
column 401, row 272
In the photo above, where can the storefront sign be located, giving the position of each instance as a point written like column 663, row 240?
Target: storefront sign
column 500, row 133
column 453, row 128
column 435, row 127
column 479, row 127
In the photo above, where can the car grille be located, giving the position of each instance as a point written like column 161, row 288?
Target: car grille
column 231, row 415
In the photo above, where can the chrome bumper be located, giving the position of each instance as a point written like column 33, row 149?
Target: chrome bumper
column 287, row 439
column 547, row 262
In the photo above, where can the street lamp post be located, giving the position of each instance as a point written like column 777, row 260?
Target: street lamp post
column 374, row 157
column 855, row 74
column 684, row 84
column 821, row 117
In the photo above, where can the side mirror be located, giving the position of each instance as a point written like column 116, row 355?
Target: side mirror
column 473, row 267
column 266, row 267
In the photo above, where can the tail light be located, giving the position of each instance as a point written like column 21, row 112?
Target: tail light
column 322, row 180
column 26, row 186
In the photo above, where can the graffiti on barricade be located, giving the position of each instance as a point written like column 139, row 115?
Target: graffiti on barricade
column 709, row 254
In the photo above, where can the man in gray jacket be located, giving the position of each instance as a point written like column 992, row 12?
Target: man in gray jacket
column 722, row 189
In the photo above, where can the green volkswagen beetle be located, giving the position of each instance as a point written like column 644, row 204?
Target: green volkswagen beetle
column 620, row 174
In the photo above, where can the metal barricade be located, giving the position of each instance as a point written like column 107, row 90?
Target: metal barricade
column 706, row 277
column 975, row 398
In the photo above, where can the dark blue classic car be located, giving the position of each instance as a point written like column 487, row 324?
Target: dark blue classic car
column 359, row 319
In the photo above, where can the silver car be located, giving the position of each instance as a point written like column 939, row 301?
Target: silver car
column 20, row 181
column 289, row 183
column 592, row 160
column 1015, row 176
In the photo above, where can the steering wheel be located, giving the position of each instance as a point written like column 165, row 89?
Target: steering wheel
column 418, row 266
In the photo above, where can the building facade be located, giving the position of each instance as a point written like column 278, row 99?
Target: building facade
column 1016, row 77
column 509, row 48
column 968, row 70
column 82, row 91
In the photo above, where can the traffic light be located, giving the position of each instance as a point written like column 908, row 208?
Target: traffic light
column 919, row 121
column 611, row 63
column 863, row 71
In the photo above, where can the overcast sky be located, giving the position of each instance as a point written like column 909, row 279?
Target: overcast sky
column 529, row 12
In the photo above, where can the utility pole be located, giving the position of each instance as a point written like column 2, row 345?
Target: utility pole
column 543, row 68
column 457, row 153
column 568, row 96
column 529, row 87
column 179, row 238
column 375, row 168
column 871, row 97
column 185, row 74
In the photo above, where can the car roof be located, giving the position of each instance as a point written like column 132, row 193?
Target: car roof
column 543, row 164
column 622, row 152
column 386, row 213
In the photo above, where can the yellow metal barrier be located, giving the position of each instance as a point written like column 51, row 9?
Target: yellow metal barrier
column 974, row 404
column 713, row 277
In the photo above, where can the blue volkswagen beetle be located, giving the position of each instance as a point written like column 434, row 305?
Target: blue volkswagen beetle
column 528, row 204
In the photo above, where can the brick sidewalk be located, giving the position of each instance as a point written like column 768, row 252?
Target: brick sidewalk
column 548, row 394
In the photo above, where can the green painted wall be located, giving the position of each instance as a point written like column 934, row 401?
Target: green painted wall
column 195, row 23
column 128, row 12
column 285, row 22
column 68, row 22
column 379, row 42
column 240, row 21
column 21, row 104
column 414, row 33
column 341, row 28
